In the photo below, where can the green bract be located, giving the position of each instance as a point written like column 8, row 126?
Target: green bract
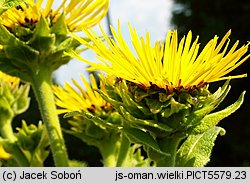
column 28, row 48
column 169, row 124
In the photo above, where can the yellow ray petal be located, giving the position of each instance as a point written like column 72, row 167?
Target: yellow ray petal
column 170, row 65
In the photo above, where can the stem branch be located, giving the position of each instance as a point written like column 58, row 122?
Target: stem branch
column 109, row 150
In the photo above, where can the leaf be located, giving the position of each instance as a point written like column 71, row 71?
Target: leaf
column 140, row 137
column 6, row 4
column 196, row 149
column 213, row 119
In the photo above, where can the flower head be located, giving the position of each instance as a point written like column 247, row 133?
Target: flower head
column 75, row 98
column 170, row 65
column 79, row 13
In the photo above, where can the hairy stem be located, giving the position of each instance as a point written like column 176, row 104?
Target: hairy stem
column 41, row 84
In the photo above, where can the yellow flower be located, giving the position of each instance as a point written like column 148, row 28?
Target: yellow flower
column 170, row 65
column 75, row 98
column 79, row 13
column 3, row 154
column 12, row 81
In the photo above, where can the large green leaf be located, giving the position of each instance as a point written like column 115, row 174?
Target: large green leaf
column 141, row 137
column 196, row 149
column 213, row 119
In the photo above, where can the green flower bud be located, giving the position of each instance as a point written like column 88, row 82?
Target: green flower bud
column 14, row 98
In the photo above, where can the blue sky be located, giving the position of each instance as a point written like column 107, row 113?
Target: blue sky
column 145, row 15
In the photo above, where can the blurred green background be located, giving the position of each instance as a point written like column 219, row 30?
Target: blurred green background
column 206, row 19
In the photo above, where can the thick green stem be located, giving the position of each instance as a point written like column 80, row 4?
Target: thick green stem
column 109, row 151
column 109, row 160
column 123, row 152
column 12, row 147
column 169, row 145
column 41, row 84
